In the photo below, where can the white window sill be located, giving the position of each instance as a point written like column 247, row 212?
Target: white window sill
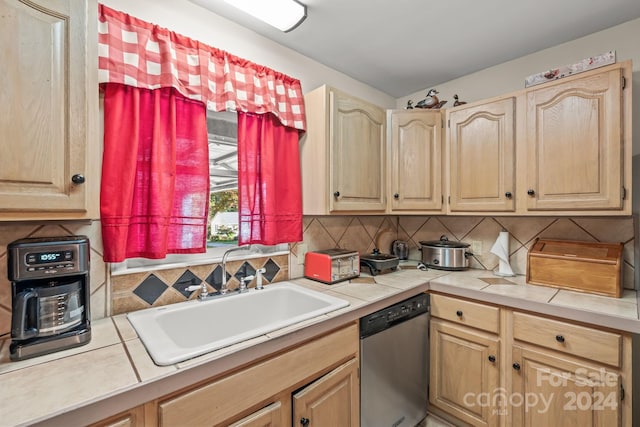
column 212, row 256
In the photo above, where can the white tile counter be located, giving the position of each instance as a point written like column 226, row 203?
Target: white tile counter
column 114, row 372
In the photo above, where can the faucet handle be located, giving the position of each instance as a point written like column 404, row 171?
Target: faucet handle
column 243, row 283
column 192, row 288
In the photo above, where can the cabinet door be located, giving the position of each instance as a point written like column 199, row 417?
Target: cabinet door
column 464, row 373
column 332, row 400
column 131, row 418
column 271, row 416
column 357, row 143
column 48, row 92
column 574, row 144
column 416, row 158
column 482, row 157
column 553, row 390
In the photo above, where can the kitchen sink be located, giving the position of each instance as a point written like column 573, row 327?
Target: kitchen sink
column 177, row 332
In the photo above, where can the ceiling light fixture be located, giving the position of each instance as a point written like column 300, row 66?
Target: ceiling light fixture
column 285, row 15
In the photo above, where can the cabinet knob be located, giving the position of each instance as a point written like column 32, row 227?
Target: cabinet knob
column 531, row 192
column 508, row 194
column 396, row 196
column 78, row 178
column 559, row 338
column 304, row 421
column 459, row 313
column 336, row 194
column 516, row 366
column 492, row 358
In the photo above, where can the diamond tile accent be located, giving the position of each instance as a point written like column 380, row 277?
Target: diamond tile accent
column 271, row 270
column 150, row 289
column 245, row 270
column 215, row 278
column 187, row 279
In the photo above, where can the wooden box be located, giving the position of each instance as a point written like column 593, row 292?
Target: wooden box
column 579, row 266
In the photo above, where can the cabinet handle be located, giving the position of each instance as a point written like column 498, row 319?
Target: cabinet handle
column 78, row 178
column 336, row 194
column 531, row 192
column 516, row 366
column 459, row 313
column 396, row 196
column 559, row 338
column 508, row 194
column 492, row 358
column 304, row 421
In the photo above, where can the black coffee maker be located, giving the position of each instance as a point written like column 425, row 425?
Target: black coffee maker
column 49, row 295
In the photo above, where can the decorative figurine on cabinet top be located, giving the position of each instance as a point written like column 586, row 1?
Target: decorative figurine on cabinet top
column 431, row 101
column 457, row 102
column 409, row 105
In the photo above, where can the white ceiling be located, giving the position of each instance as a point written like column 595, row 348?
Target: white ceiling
column 403, row 46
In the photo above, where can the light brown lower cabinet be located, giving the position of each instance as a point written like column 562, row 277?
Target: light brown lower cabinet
column 550, row 390
column 332, row 400
column 134, row 417
column 317, row 380
column 552, row 373
column 274, row 415
column 464, row 370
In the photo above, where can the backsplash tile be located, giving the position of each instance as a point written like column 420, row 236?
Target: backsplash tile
column 131, row 292
column 150, row 289
column 363, row 233
column 115, row 295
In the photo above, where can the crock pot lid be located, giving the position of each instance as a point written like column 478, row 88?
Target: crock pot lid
column 445, row 244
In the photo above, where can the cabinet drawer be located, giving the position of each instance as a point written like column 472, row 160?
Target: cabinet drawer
column 468, row 313
column 581, row 341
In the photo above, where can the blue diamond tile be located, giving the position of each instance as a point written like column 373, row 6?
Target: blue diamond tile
column 215, row 278
column 245, row 270
column 272, row 269
column 150, row 289
column 187, row 279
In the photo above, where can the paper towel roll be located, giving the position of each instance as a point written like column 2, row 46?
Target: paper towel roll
column 501, row 249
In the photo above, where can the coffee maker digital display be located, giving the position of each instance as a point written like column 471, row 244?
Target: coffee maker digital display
column 46, row 257
column 49, row 294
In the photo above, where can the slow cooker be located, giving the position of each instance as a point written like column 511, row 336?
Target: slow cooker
column 445, row 254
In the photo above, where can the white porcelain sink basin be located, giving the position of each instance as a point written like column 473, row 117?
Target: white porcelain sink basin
column 184, row 330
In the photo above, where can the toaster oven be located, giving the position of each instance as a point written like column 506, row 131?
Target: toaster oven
column 332, row 265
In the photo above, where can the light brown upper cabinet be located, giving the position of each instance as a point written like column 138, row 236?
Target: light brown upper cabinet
column 48, row 110
column 342, row 154
column 415, row 168
column 481, row 144
column 578, row 134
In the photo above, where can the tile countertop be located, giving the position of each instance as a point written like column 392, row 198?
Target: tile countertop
column 114, row 372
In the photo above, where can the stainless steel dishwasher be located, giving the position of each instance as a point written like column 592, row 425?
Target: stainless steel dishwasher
column 394, row 364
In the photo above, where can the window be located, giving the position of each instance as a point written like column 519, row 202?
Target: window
column 222, row 230
column 223, row 175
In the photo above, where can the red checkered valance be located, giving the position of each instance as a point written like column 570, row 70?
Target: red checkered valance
column 136, row 53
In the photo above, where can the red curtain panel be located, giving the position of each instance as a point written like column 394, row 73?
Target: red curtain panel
column 269, row 181
column 154, row 194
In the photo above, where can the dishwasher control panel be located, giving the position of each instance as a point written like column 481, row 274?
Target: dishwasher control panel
column 385, row 318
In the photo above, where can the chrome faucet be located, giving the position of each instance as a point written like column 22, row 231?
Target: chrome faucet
column 223, row 287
